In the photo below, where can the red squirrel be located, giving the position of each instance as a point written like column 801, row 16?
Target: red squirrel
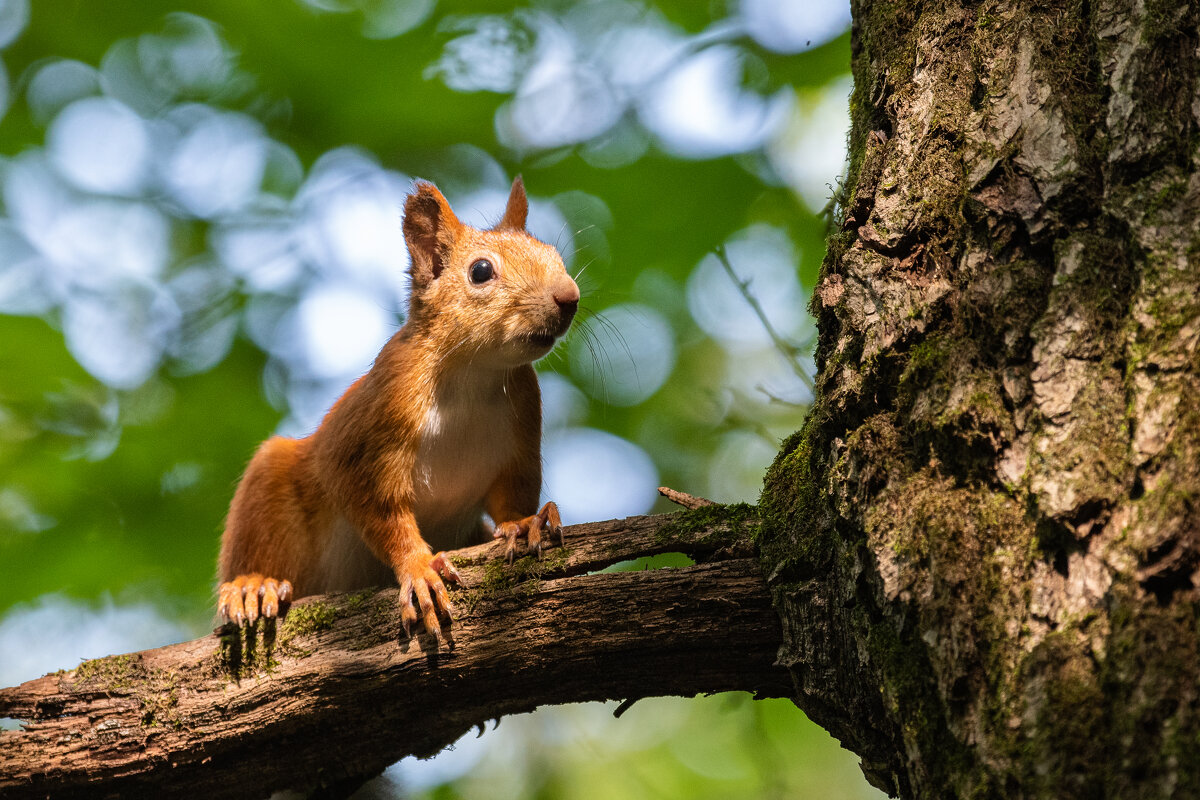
column 445, row 426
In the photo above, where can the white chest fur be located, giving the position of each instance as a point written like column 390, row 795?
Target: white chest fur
column 466, row 439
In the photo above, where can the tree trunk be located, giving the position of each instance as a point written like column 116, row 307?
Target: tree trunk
column 984, row 543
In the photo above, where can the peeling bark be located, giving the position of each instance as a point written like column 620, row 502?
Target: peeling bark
column 986, row 535
column 336, row 693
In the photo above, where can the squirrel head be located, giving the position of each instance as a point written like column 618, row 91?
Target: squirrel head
column 495, row 296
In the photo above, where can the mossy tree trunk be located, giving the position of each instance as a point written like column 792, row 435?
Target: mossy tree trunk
column 984, row 543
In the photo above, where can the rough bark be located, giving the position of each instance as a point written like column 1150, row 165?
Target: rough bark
column 336, row 692
column 985, row 540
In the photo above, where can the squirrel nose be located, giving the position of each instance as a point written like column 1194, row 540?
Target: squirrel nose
column 566, row 295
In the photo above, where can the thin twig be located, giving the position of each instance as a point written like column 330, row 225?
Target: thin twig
column 782, row 345
column 684, row 499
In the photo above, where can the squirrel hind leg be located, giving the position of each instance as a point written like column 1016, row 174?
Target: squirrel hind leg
column 247, row 597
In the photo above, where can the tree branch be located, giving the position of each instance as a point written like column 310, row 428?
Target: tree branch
column 335, row 693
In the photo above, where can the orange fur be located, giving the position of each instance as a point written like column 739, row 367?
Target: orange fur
column 445, row 425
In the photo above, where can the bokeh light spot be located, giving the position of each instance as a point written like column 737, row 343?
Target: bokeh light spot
column 594, row 475
column 218, row 163
column 119, row 335
column 791, row 27
column 58, row 83
column 699, row 110
column 764, row 258
column 623, row 354
column 809, row 151
column 14, row 16
column 342, row 329
column 100, row 145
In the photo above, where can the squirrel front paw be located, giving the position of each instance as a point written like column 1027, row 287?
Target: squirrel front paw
column 244, row 598
column 422, row 575
column 546, row 521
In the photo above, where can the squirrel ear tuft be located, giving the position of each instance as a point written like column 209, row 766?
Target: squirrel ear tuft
column 430, row 230
column 517, row 209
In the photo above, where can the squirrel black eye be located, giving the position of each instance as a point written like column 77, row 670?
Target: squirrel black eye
column 481, row 271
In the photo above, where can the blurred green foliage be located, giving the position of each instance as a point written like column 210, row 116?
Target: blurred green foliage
column 122, row 491
column 319, row 84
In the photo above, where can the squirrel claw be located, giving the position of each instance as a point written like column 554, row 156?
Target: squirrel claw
column 421, row 576
column 547, row 521
column 509, row 531
column 442, row 566
column 247, row 597
column 552, row 522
